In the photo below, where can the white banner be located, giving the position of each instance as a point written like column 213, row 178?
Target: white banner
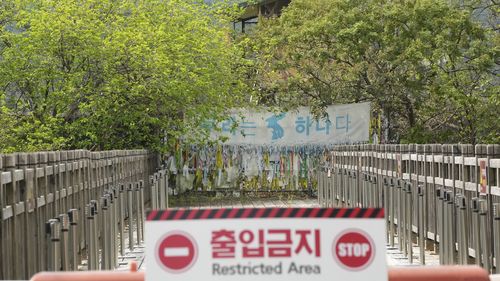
column 293, row 244
column 347, row 123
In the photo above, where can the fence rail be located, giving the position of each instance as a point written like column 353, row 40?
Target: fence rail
column 57, row 208
column 443, row 198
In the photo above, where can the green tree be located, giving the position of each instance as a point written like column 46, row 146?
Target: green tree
column 103, row 74
column 426, row 66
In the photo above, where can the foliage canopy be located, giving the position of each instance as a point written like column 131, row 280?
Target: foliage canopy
column 106, row 74
column 427, row 67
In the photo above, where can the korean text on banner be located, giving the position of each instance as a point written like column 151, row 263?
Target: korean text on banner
column 348, row 123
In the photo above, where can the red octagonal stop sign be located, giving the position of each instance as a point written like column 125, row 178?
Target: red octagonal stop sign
column 177, row 252
column 353, row 250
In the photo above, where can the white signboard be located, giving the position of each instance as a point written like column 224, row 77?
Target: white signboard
column 347, row 123
column 273, row 244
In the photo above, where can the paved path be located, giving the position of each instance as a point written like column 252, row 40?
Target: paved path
column 394, row 256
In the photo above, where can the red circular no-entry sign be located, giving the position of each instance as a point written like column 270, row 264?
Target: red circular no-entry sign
column 177, row 252
column 353, row 250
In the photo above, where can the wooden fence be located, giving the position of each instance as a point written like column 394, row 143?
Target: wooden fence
column 47, row 196
column 443, row 198
column 57, row 208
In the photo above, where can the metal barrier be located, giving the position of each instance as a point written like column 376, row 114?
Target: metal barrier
column 438, row 273
column 58, row 208
column 132, row 275
column 441, row 198
column 441, row 273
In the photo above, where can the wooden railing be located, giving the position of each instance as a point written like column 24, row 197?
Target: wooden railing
column 47, row 197
column 443, row 198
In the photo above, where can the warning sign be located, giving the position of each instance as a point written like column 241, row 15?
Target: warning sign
column 177, row 252
column 266, row 244
column 483, row 179
column 354, row 250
